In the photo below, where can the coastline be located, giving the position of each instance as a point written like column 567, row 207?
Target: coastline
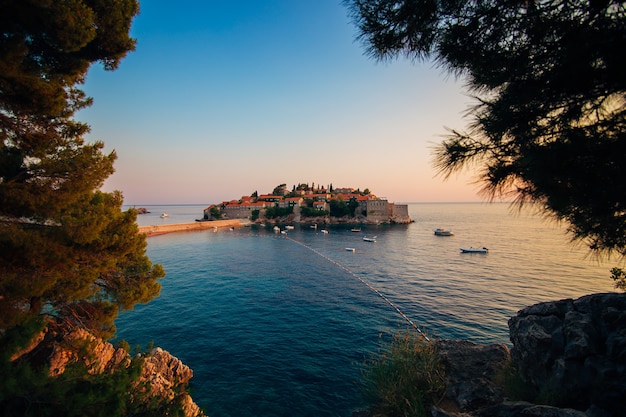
column 157, row 230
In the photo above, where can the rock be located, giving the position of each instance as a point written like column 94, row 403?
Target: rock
column 573, row 352
column 471, row 370
column 163, row 375
column 101, row 356
column 525, row 409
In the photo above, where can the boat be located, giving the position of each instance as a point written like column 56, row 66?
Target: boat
column 369, row 239
column 356, row 229
column 164, row 215
column 289, row 227
column 351, row 249
column 325, row 231
column 474, row 250
column 443, row 232
column 276, row 229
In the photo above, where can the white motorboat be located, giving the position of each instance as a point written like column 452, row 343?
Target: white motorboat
column 474, row 250
column 369, row 239
column 443, row 232
column 164, row 215
column 351, row 249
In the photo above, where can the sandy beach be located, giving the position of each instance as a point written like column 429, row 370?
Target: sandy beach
column 156, row 230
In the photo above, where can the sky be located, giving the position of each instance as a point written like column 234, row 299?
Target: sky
column 224, row 98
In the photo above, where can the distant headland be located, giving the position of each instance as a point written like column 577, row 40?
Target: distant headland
column 311, row 204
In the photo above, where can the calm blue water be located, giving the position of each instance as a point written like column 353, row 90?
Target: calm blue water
column 276, row 328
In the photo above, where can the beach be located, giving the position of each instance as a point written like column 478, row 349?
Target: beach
column 156, row 230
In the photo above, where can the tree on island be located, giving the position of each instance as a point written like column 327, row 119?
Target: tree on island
column 550, row 123
column 69, row 257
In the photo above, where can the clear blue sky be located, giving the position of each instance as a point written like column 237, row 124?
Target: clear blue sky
column 224, row 98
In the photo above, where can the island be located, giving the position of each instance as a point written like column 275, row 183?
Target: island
column 311, row 204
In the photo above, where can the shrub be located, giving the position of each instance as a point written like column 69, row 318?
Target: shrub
column 405, row 378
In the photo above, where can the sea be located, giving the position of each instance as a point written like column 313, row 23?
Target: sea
column 280, row 324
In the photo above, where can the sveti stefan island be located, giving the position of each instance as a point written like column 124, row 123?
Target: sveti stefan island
column 468, row 258
column 303, row 204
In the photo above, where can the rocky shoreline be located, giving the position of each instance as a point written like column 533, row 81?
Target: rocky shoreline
column 570, row 357
column 569, row 354
column 163, row 377
column 355, row 221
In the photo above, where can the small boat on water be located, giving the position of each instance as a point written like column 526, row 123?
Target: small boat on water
column 276, row 229
column 443, row 232
column 164, row 215
column 325, row 231
column 474, row 250
column 369, row 239
column 289, row 227
column 351, row 249
column 356, row 229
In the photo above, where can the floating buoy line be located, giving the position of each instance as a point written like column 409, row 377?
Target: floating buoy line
column 381, row 295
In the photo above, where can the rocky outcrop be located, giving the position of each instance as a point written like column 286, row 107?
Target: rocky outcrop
column 164, row 373
column 573, row 352
column 570, row 354
column 164, row 377
column 97, row 355
column 471, row 372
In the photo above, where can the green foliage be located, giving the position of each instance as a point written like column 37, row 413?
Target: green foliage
column 405, row 378
column 279, row 189
column 69, row 256
column 618, row 275
column 312, row 212
column 28, row 390
column 255, row 214
column 275, row 211
column 47, row 48
column 515, row 388
column 550, row 123
column 340, row 208
column 215, row 213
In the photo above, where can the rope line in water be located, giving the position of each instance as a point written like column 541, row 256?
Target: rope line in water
column 381, row 295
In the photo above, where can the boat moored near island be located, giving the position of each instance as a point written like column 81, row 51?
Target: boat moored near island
column 474, row 250
column 443, row 232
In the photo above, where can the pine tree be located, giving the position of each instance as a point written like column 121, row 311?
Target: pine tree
column 68, row 254
column 550, row 123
